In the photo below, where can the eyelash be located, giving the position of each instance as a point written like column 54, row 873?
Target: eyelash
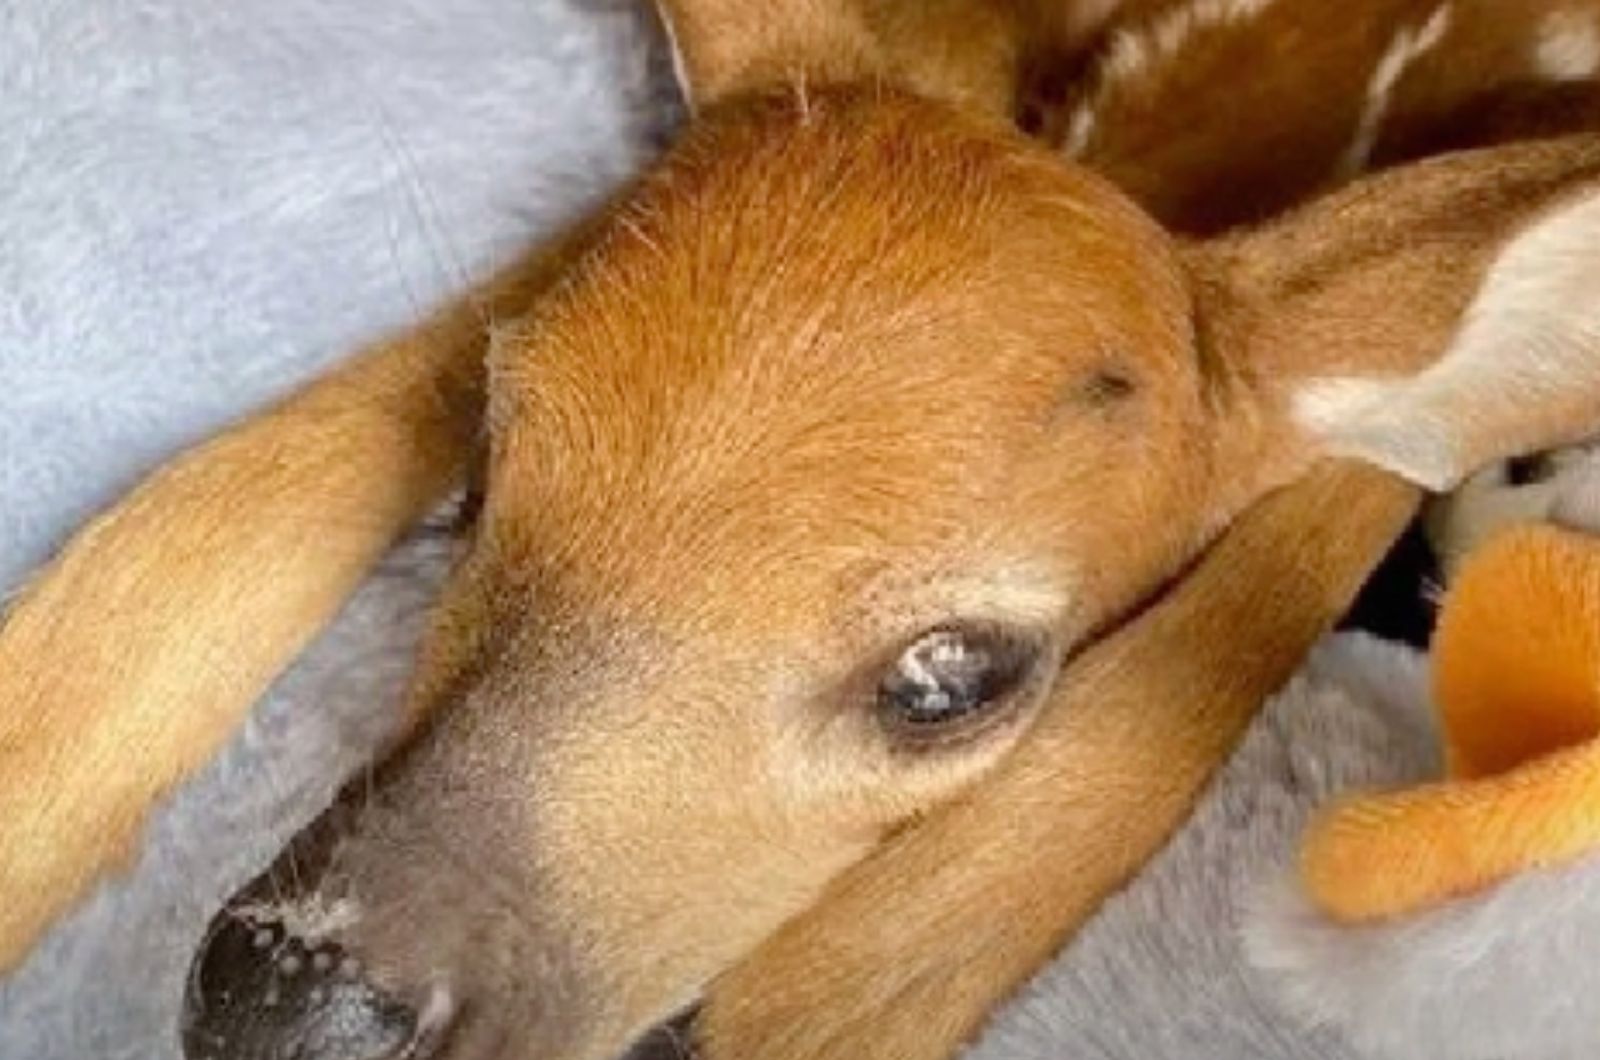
column 465, row 517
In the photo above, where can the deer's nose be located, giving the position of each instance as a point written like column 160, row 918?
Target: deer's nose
column 258, row 992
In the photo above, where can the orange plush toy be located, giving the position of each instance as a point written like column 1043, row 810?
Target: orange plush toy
column 1516, row 676
column 1401, row 860
column 1459, row 915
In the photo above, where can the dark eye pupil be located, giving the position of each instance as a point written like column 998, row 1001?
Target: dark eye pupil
column 947, row 675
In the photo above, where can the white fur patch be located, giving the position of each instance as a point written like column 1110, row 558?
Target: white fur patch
column 1409, row 44
column 434, row 1019
column 1016, row 592
column 1147, row 50
column 1568, row 46
column 1577, row 495
column 1080, row 130
column 1522, row 374
column 1011, row 592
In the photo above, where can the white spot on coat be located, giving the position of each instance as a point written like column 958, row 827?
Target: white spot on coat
column 1148, row 49
column 1568, row 46
column 1080, row 130
column 1408, row 45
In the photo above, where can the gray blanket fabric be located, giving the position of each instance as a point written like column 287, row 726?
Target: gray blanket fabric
column 201, row 204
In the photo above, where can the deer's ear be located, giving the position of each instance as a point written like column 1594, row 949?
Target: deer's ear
column 1429, row 320
column 948, row 49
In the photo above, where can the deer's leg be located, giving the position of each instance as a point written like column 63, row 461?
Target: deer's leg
column 132, row 656
column 908, row 952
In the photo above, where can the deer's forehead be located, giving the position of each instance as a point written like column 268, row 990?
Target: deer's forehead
column 965, row 349
column 871, row 252
column 854, row 201
column 670, row 464
column 785, row 394
column 797, row 593
column 796, row 509
column 787, row 503
column 824, row 339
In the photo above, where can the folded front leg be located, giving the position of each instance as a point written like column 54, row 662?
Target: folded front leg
column 133, row 655
column 908, row 952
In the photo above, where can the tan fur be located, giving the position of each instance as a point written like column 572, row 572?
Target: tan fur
column 856, row 359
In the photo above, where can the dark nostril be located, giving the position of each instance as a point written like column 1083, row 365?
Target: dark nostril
column 256, row 992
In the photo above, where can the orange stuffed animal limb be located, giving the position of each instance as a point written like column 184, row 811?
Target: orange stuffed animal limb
column 1517, row 682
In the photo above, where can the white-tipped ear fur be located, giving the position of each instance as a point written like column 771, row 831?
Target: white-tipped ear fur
column 1522, row 373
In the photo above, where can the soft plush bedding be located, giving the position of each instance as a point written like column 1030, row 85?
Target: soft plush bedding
column 200, row 205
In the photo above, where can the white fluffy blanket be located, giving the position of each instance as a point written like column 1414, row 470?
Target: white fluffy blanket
column 201, row 204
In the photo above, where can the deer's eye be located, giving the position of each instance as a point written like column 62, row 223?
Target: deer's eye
column 951, row 675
